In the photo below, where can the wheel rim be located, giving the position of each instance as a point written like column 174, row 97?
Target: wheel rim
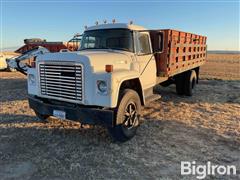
column 130, row 115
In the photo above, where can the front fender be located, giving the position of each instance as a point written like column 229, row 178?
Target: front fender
column 117, row 77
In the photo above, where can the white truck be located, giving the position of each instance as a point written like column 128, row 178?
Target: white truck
column 113, row 74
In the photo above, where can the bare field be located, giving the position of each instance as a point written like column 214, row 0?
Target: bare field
column 205, row 127
column 222, row 66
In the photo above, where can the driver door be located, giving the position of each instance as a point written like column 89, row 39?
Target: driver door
column 145, row 59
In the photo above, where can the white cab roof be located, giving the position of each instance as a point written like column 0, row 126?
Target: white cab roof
column 116, row 26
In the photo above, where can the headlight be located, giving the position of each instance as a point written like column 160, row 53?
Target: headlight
column 102, row 86
column 31, row 79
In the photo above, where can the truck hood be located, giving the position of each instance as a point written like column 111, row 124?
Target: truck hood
column 96, row 59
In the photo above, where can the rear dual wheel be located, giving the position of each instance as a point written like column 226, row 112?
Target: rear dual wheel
column 127, row 116
column 180, row 84
column 186, row 82
column 190, row 83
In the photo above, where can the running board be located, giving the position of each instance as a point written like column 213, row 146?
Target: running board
column 151, row 98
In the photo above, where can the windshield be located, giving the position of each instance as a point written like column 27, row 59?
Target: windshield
column 120, row 39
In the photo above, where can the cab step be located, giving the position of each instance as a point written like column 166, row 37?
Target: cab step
column 152, row 97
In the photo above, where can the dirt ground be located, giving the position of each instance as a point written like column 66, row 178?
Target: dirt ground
column 205, row 127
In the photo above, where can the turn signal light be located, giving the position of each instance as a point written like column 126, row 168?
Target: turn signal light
column 109, row 68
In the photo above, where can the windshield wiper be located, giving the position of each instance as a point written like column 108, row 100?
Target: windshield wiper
column 119, row 48
column 109, row 48
column 86, row 48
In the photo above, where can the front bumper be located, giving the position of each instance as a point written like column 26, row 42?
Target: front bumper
column 83, row 114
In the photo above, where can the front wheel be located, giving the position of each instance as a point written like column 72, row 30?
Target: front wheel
column 127, row 116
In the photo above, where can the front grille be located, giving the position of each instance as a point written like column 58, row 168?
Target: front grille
column 61, row 81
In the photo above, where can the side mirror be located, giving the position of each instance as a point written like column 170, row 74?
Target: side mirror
column 160, row 42
column 157, row 39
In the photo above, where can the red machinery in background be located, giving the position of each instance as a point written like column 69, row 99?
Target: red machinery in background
column 36, row 46
column 72, row 45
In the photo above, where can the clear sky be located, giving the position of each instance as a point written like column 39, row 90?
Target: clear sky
column 59, row 20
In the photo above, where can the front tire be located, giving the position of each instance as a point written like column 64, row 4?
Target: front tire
column 127, row 116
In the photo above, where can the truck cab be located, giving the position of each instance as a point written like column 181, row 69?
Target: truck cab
column 105, row 82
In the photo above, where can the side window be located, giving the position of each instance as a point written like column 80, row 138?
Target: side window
column 143, row 45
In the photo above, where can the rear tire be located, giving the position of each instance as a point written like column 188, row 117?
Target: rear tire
column 190, row 82
column 127, row 116
column 180, row 79
column 42, row 118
